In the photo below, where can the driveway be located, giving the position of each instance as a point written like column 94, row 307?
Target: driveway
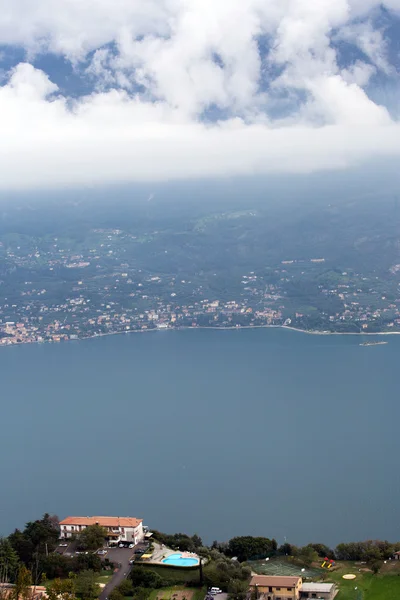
column 221, row 596
column 119, row 556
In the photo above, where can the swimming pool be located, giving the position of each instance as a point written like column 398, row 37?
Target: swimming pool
column 177, row 560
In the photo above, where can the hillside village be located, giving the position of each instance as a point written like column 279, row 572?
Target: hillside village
column 219, row 270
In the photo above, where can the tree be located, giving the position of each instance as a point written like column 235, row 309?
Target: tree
column 222, row 570
column 178, row 540
column 22, row 545
column 285, row 549
column 386, row 549
column 38, row 539
column 146, row 578
column 247, row 547
column 237, row 589
column 307, row 555
column 372, row 553
column 86, row 562
column 220, row 546
column 203, row 551
column 22, row 588
column 370, row 550
column 8, row 562
column 126, row 587
column 141, row 593
column 197, row 541
column 115, row 594
column 61, row 589
column 43, row 533
column 86, row 585
column 376, row 567
column 92, row 537
column 57, row 565
column 323, row 550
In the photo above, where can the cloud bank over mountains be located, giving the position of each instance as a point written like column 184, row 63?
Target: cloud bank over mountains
column 196, row 88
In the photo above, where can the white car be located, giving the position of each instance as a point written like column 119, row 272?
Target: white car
column 102, row 552
column 131, row 545
column 121, row 546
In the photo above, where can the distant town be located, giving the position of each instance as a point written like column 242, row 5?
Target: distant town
column 69, row 286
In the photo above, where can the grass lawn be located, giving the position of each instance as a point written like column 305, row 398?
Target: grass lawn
column 174, row 576
column 167, row 593
column 384, row 586
column 104, row 577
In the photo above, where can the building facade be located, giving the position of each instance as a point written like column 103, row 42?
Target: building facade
column 268, row 587
column 119, row 529
column 320, row 591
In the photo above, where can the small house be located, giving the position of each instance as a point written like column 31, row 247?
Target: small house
column 320, row 591
column 271, row 587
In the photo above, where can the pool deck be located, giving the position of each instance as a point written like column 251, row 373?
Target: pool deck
column 161, row 552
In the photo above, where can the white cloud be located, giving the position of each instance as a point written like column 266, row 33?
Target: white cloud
column 370, row 41
column 189, row 55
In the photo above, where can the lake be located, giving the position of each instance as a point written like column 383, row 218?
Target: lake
column 221, row 433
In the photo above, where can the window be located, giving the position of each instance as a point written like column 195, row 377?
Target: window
column 289, row 589
column 278, row 590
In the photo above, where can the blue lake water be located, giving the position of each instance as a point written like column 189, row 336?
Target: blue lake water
column 222, row 433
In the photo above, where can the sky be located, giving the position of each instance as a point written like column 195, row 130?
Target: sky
column 120, row 91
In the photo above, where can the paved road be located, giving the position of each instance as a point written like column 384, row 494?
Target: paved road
column 121, row 556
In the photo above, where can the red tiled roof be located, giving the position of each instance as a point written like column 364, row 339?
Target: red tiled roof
column 103, row 521
column 274, row 581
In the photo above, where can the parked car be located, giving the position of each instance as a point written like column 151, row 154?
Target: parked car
column 131, row 545
column 121, row 546
column 215, row 590
column 63, row 545
column 102, row 552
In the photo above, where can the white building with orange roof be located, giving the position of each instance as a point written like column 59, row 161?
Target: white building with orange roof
column 119, row 529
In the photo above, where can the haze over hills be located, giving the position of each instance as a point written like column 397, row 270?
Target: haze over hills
column 80, row 268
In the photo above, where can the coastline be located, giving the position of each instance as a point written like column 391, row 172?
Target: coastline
column 233, row 328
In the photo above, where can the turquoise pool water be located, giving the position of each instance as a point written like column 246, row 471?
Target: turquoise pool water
column 176, row 560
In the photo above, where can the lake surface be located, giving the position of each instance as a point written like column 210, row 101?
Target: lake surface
column 222, row 433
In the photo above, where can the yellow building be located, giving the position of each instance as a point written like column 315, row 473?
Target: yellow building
column 268, row 587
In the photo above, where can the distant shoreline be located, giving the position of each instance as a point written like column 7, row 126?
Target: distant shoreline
column 183, row 328
column 338, row 332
